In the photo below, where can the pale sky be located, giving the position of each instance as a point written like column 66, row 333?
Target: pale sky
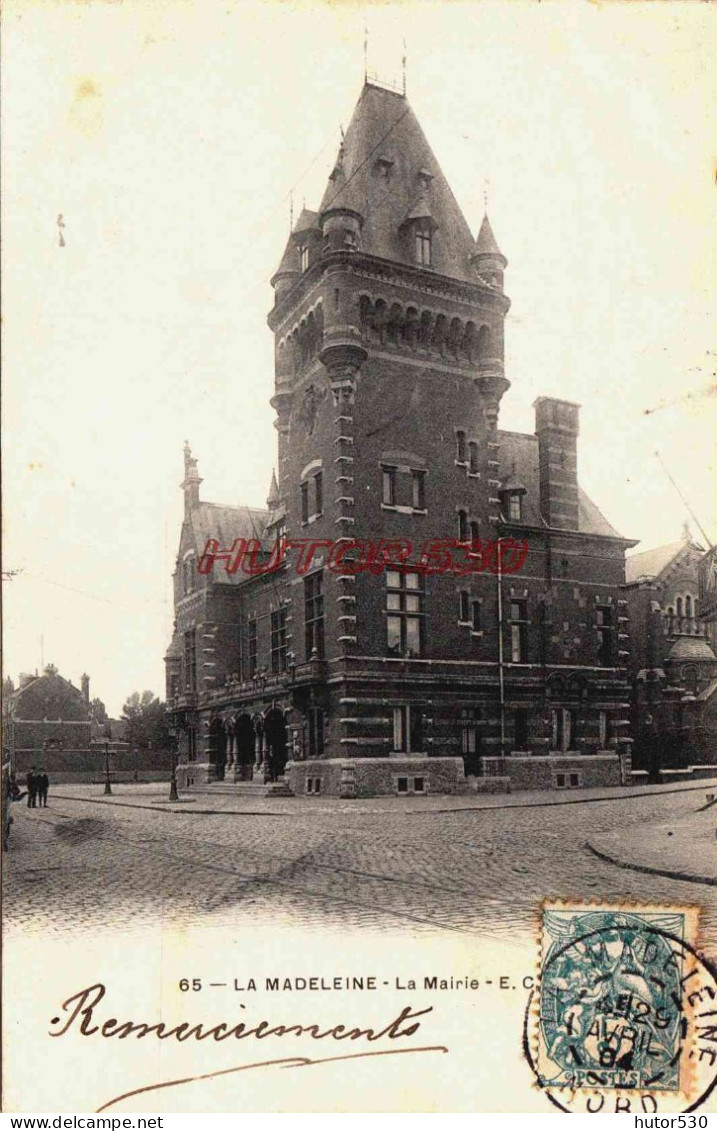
column 168, row 136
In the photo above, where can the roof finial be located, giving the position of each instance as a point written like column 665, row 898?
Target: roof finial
column 365, row 53
column 486, row 187
column 403, row 67
column 686, row 532
column 291, row 211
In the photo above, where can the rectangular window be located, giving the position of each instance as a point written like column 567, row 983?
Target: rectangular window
column 475, row 622
column 519, row 632
column 463, row 533
column 305, row 257
column 423, row 247
column 319, row 493
column 418, row 785
column 605, row 730
column 473, row 458
column 574, row 779
column 407, row 729
column 278, row 641
column 404, row 608
column 603, row 616
column 304, row 502
column 251, row 648
column 514, row 508
column 560, row 781
column 191, row 745
column 402, row 785
column 520, row 722
column 460, row 447
column 314, row 615
column 418, row 490
column 564, row 728
column 316, row 733
column 190, row 660
column 389, row 486
column 464, row 607
column 474, row 531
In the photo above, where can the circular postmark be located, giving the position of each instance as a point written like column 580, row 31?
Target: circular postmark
column 624, row 1016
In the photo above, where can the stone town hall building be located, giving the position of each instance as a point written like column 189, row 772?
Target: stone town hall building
column 388, row 322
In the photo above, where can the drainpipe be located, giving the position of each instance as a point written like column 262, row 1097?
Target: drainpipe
column 501, row 680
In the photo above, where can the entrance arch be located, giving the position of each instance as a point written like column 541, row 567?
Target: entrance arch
column 245, row 738
column 218, row 748
column 275, row 734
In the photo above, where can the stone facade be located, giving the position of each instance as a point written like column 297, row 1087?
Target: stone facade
column 388, row 324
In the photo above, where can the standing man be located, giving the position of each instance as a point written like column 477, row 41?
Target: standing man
column 31, row 781
column 43, row 784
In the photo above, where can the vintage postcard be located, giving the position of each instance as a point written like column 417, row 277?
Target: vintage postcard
column 360, row 682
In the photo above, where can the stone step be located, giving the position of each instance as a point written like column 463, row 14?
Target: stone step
column 244, row 789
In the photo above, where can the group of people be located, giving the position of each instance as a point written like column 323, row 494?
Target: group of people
column 37, row 786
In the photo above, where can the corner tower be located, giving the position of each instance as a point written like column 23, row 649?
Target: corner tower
column 388, row 324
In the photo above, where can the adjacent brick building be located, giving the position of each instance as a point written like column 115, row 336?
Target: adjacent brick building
column 673, row 666
column 388, row 324
column 47, row 723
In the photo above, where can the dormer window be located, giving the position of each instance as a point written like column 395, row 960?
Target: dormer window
column 304, row 257
column 423, row 241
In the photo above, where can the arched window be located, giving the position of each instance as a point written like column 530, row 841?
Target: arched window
column 678, row 606
column 462, row 526
column 688, row 605
column 473, row 458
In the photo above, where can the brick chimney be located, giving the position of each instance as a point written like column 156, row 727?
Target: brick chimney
column 85, row 687
column 557, row 427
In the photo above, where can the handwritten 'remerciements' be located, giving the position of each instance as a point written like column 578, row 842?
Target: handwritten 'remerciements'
column 359, row 555
column 80, row 1015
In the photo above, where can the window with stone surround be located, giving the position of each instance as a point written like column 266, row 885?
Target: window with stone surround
column 190, row 660
column 316, row 732
column 251, row 647
column 564, row 726
column 461, row 456
column 403, row 488
column 423, row 245
column 314, row 614
column 518, row 619
column 407, row 729
column 278, row 641
column 404, row 613
column 603, row 616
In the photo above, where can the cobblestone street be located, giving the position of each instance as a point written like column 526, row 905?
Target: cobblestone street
column 348, row 866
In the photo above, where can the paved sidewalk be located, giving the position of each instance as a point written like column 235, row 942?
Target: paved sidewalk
column 683, row 849
column 155, row 796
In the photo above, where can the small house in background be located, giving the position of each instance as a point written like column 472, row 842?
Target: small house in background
column 47, row 723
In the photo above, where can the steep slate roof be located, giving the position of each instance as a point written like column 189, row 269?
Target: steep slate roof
column 383, row 125
column 521, row 449
column 486, row 244
column 650, row 563
column 212, row 520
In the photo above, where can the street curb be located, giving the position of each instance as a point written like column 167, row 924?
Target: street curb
column 627, row 796
column 684, row 876
column 176, row 812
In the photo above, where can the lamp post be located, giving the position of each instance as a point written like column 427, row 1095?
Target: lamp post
column 108, row 784
column 173, row 794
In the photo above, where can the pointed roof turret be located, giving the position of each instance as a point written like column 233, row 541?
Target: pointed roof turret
column 273, row 497
column 486, row 243
column 383, row 160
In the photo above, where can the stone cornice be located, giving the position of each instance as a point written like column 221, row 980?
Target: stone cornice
column 391, row 273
